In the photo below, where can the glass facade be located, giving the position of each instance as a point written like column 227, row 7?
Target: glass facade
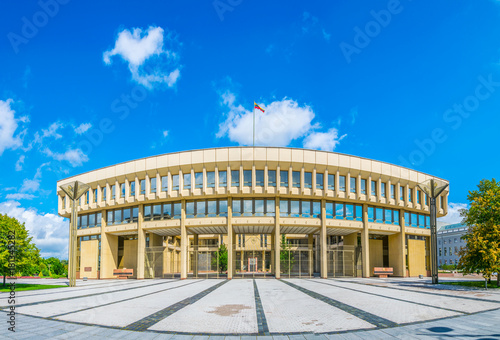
column 88, row 221
column 296, row 179
column 122, row 216
column 331, row 182
column 253, row 207
column 235, row 178
column 271, row 178
column 308, row 180
column 344, row 211
column 383, row 215
column 342, row 183
column 210, row 179
column 198, row 180
column 363, row 186
column 284, row 178
column 165, row 211
column 223, row 179
column 300, row 208
column 247, row 178
column 206, row 208
column 259, row 178
column 320, row 180
column 152, row 188
column 186, row 179
column 352, row 185
column 164, row 183
column 417, row 220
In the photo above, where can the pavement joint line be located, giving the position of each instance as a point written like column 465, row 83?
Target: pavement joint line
column 144, row 323
column 391, row 298
column 87, row 295
column 261, row 316
column 428, row 293
column 373, row 319
column 53, row 317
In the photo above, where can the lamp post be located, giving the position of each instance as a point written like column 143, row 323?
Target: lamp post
column 433, row 188
column 74, row 191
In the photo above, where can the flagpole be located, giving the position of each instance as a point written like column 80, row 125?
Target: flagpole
column 254, row 125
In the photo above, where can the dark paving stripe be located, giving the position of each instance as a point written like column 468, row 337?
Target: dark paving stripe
column 428, row 293
column 150, row 320
column 388, row 297
column 87, row 295
column 368, row 317
column 261, row 317
column 132, row 298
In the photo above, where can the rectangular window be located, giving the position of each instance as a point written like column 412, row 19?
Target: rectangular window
column 222, row 208
column 339, row 211
column 153, row 185
column 393, row 191
column 316, row 209
column 271, row 178
column 382, row 189
column 388, row 216
column 320, row 180
column 222, row 179
column 157, row 211
column 210, row 179
column 175, row 182
column 135, row 214
column 371, row 214
column 284, row 210
column 401, row 193
column 247, row 207
column 164, row 183
column 91, row 220
column 113, row 192
column 118, row 217
column 331, row 182
column 235, row 178
column 294, row 208
column 143, row 186
column 198, row 180
column 414, row 222
column 122, row 190
column 410, row 194
column 359, row 213
column 306, row 208
column 407, row 219
column 259, row 178
column 167, row 210
column 104, row 194
column 177, row 210
column 308, row 180
column 270, row 207
column 349, row 212
column 87, row 197
column 236, row 207
column 247, row 178
column 342, row 183
column 296, row 179
column 190, row 209
column 374, row 188
column 418, row 196
column 284, row 178
column 132, row 188
column 395, row 217
column 200, row 208
column 84, row 221
column 353, row 185
column 363, row 186
column 186, row 178
column 94, row 196
column 126, row 215
column 329, row 209
column 379, row 215
column 259, row 207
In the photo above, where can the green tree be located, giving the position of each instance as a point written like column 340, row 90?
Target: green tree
column 16, row 248
column 482, row 251
column 287, row 257
column 220, row 257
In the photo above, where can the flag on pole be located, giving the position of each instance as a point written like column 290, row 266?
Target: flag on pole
column 257, row 107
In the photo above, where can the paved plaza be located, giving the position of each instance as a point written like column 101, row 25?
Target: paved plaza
column 250, row 308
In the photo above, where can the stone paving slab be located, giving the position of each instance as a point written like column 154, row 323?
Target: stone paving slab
column 229, row 309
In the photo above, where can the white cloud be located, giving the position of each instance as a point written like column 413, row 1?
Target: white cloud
column 8, row 127
column 30, row 185
column 19, row 163
column 138, row 48
column 75, row 157
column 165, row 133
column 82, row 128
column 326, row 141
column 49, row 231
column 281, row 123
column 453, row 215
column 327, row 36
column 20, row 196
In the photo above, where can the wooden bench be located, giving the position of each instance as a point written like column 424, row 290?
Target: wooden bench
column 382, row 272
column 123, row 273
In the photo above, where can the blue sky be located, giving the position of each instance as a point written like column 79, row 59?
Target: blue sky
column 89, row 84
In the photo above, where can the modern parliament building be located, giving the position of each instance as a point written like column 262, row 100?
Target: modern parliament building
column 252, row 211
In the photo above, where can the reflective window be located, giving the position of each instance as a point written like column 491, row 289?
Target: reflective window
column 388, row 216
column 235, row 178
column 316, row 209
column 153, row 185
column 294, row 208
column 363, row 186
column 296, row 179
column 147, row 213
column 126, row 215
column 211, row 208
column 284, row 211
column 94, row 195
column 175, row 182
column 306, row 209
column 236, row 207
column 371, row 214
column 259, row 178
column 210, row 179
column 104, row 194
column 410, row 194
column 198, row 180
column 271, row 178
column 353, row 185
column 393, row 191
column 374, row 188
column 259, row 207
column 222, row 208
column 247, row 178
column 270, row 207
column 308, row 180
column 421, row 221
column 201, row 208
column 164, row 183
column 379, row 215
column 339, row 211
column 122, row 190
column 284, row 178
column 342, row 183
column 247, row 207
column 349, row 212
column 113, row 192
column 382, row 189
column 401, row 193
column 395, row 218
column 143, row 186
column 87, row 197
column 331, row 182
column 320, row 180
column 157, row 209
column 190, row 209
column 222, row 178
column 413, row 220
column 329, row 209
column 359, row 212
column 177, row 210
column 186, row 178
column 418, row 196
column 167, row 211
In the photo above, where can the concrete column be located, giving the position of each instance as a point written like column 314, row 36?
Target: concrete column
column 323, row 250
column 277, row 239
column 195, row 257
column 141, row 244
column 365, row 243
column 273, row 258
column 310, row 242
column 230, row 239
column 109, row 251
column 184, row 241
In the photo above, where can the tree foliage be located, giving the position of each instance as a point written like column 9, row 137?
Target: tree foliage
column 220, row 257
column 287, row 257
column 482, row 252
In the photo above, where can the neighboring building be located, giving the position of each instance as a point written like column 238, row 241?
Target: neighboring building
column 167, row 215
column 449, row 243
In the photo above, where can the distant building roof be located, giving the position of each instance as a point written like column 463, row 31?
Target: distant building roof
column 452, row 226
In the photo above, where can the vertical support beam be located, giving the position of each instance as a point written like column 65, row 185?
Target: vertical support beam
column 230, row 237
column 184, row 241
column 277, row 239
column 323, row 250
column 141, row 244
column 365, row 243
column 403, row 239
column 310, row 242
column 195, row 257
column 273, row 257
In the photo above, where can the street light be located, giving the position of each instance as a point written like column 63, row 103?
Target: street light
column 74, row 191
column 433, row 188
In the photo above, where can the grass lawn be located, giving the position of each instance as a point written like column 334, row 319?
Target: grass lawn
column 478, row 284
column 26, row 286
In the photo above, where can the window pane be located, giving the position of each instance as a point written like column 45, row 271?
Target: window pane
column 329, row 210
column 190, row 209
column 198, row 180
column 259, row 178
column 259, row 207
column 388, row 216
column 374, row 188
column 393, row 191
column 359, row 213
column 164, row 183
column 342, row 183
column 363, row 186
column 135, row 214
column 222, row 178
column 98, row 219
column 421, row 221
column 307, row 179
column 187, row 180
column 316, row 209
column 236, row 207
column 247, row 178
column 418, row 197
column 156, row 211
column 210, row 179
column 349, row 212
column 103, row 194
column 85, row 221
column 200, row 208
column 284, row 179
column 212, row 208
column 109, row 220
column 132, row 188
column 223, row 208
column 395, row 217
column 427, row 221
column 306, row 208
column 294, row 208
column 353, row 185
column 371, row 214
column 401, row 193
column 118, row 216
column 143, row 186
column 407, row 219
column 122, row 190
column 331, row 182
column 284, row 208
column 167, row 210
column 271, row 180
column 379, row 215
column 175, row 182
column 414, row 221
column 113, row 192
column 235, row 178
column 126, row 215
column 177, row 210
column 147, row 212
column 382, row 188
column 91, row 220
column 247, row 207
column 270, row 209
column 339, row 211
column 410, row 194
column 296, row 179
column 320, row 180
column 153, row 184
